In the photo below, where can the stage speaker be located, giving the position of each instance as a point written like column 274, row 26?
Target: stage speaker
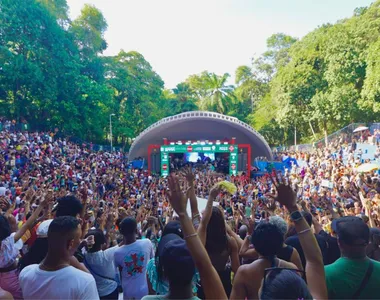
column 242, row 162
column 155, row 160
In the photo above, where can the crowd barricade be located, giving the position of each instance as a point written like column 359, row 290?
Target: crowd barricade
column 267, row 167
column 138, row 164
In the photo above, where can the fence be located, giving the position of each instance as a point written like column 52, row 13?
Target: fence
column 301, row 147
column 346, row 133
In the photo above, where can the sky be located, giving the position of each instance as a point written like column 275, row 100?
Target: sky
column 184, row 37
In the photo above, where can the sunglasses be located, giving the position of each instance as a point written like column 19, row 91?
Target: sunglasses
column 273, row 272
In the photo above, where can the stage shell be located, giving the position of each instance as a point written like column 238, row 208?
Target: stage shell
column 200, row 126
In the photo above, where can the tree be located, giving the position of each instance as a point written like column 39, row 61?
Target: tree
column 212, row 90
column 137, row 93
column 58, row 8
column 42, row 77
column 249, row 87
column 184, row 99
column 89, row 29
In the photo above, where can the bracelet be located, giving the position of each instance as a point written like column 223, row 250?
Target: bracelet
column 190, row 235
column 304, row 231
column 195, row 216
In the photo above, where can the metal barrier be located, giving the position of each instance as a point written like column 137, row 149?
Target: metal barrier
column 345, row 134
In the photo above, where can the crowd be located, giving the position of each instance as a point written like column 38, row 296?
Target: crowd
column 78, row 224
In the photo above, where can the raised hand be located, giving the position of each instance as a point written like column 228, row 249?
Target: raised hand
column 176, row 198
column 46, row 200
column 285, row 194
column 215, row 190
column 189, row 175
column 29, row 195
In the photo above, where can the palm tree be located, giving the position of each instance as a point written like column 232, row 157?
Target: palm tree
column 212, row 91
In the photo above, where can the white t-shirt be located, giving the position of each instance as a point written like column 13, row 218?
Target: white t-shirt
column 2, row 191
column 66, row 283
column 133, row 259
column 102, row 263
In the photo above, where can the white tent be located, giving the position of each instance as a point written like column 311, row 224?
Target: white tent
column 202, row 202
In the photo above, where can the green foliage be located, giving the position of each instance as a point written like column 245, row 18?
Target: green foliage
column 327, row 80
column 212, row 91
column 137, row 91
column 53, row 75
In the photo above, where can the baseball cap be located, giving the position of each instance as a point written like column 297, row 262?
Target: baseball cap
column 173, row 227
column 43, row 228
column 351, row 230
column 176, row 259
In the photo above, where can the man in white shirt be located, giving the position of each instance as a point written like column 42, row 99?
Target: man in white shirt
column 54, row 278
column 131, row 259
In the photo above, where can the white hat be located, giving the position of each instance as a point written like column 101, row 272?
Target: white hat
column 42, row 230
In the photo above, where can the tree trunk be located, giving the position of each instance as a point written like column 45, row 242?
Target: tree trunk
column 312, row 130
column 325, row 131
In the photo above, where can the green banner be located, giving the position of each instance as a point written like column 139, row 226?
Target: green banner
column 199, row 148
column 164, row 164
column 167, row 149
column 233, row 163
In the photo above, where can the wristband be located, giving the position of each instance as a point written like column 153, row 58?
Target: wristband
column 304, row 231
column 190, row 235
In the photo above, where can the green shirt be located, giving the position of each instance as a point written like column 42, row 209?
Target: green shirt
column 344, row 277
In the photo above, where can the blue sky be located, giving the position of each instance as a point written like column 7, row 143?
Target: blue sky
column 184, row 37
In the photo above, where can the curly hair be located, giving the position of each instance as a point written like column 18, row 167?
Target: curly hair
column 280, row 223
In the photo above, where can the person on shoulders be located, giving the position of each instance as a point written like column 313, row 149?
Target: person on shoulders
column 55, row 278
column 132, row 259
column 354, row 275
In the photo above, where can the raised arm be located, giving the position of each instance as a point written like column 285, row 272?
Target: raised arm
column 30, row 222
column 211, row 282
column 247, row 253
column 202, row 230
column 189, row 175
column 315, row 272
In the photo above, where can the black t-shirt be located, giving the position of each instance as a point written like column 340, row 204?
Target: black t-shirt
column 295, row 243
column 333, row 251
column 285, row 253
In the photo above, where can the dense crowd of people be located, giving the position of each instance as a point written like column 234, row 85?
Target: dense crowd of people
column 78, row 224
